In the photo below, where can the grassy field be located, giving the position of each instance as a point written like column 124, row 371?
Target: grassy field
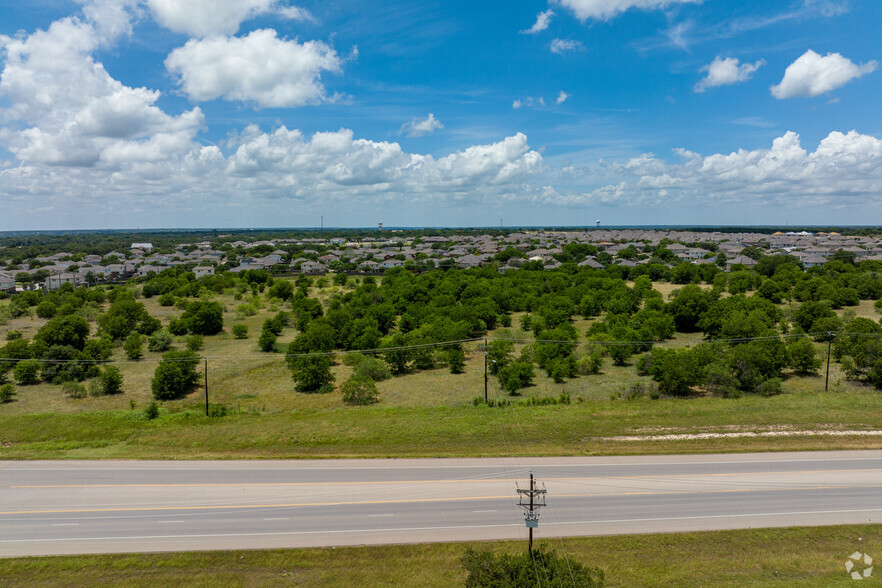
column 767, row 557
column 423, row 413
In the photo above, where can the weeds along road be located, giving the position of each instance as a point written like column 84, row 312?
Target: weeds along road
column 106, row 506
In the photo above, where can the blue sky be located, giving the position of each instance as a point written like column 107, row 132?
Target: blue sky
column 254, row 113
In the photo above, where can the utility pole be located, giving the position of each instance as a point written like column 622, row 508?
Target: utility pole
column 829, row 348
column 531, row 500
column 206, row 386
column 485, row 370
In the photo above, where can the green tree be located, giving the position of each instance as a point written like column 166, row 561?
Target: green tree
column 282, row 289
column 160, row 341
column 803, row 356
column 111, row 380
column 240, row 331
column 125, row 315
column 7, row 393
column 64, row 330
column 455, row 359
column 175, row 376
column 267, row 341
column 516, row 376
column 27, row 372
column 810, row 312
column 312, row 373
column 499, row 355
column 687, row 307
column 372, row 368
column 677, row 371
column 195, row 342
column 134, row 346
column 46, row 309
column 204, row 318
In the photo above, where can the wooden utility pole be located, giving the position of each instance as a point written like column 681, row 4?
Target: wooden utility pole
column 485, row 371
column 206, row 386
column 531, row 500
column 829, row 348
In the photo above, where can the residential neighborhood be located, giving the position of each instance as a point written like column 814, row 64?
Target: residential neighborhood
column 377, row 252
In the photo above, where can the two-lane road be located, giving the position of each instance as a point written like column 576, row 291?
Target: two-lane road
column 102, row 507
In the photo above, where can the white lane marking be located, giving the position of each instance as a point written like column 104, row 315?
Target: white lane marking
column 168, row 522
column 279, row 519
column 443, row 528
column 485, row 511
column 381, row 515
column 65, row 524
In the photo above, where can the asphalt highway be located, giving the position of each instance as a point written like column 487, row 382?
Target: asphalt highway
column 49, row 508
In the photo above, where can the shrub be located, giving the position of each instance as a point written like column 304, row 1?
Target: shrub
column 13, row 335
column 455, row 359
column 195, row 342
column 152, row 411
column 160, row 341
column 240, row 332
column 803, row 356
column 46, row 309
column 175, row 376
column 525, row 570
column 359, row 391
column 177, row 326
column 267, row 341
column 7, row 393
column 134, row 346
column 111, row 380
column 95, row 388
column 312, row 373
column 771, row 387
column 516, row 376
column 73, row 390
column 590, row 363
column 27, row 372
column 204, row 318
column 167, row 299
column 371, row 368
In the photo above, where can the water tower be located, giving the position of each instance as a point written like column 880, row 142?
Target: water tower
column 598, row 223
column 380, row 225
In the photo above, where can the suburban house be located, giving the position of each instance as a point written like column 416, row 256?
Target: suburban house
column 813, row 260
column 741, row 260
column 369, row 266
column 200, row 271
column 7, row 282
column 312, row 268
column 390, row 263
column 591, row 262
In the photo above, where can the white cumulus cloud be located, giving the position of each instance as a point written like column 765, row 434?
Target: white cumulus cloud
column 543, row 19
column 562, row 97
column 418, row 128
column 812, row 75
column 205, row 18
column 65, row 109
column 844, row 170
column 259, row 68
column 561, row 46
column 608, row 9
column 725, row 72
